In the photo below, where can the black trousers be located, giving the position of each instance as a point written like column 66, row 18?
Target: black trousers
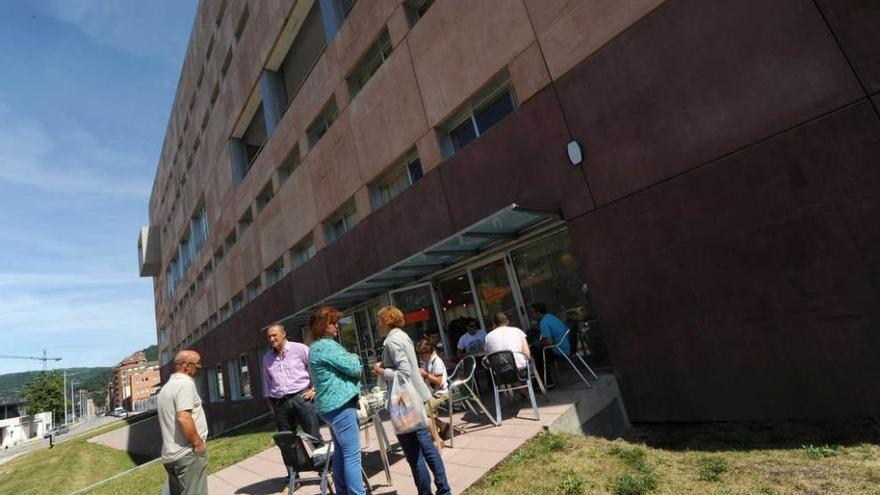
column 293, row 410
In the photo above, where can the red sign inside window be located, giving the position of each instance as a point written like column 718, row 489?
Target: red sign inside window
column 417, row 316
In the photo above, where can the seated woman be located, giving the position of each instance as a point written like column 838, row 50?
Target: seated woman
column 433, row 371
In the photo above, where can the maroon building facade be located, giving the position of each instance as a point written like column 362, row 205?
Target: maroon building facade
column 725, row 215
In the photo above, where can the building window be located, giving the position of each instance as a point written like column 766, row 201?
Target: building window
column 210, row 49
column 478, row 116
column 345, row 7
column 275, row 272
column 215, row 93
column 230, row 241
column 302, row 252
column 239, row 377
column 212, row 322
column 245, row 221
column 218, row 19
column 224, row 312
column 216, row 392
column 218, row 255
column 242, row 22
column 303, row 54
column 226, row 62
column 265, row 196
column 322, row 122
column 341, row 222
column 209, row 268
column 376, row 55
column 416, row 9
column 237, row 302
column 254, row 137
column 254, row 289
column 288, row 165
column 395, row 181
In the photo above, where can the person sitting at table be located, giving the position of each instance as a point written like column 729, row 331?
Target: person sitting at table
column 507, row 338
column 336, row 374
column 399, row 356
column 553, row 332
column 473, row 340
column 433, row 371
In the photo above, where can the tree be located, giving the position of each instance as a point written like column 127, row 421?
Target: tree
column 46, row 393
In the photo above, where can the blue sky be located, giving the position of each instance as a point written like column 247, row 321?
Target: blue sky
column 86, row 88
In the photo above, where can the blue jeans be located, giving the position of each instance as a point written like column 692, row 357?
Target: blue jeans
column 346, row 466
column 420, row 450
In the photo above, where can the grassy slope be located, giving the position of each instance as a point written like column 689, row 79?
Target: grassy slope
column 222, row 452
column 574, row 465
column 75, row 464
column 72, row 464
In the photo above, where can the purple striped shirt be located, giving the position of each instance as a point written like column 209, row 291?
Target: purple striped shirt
column 286, row 373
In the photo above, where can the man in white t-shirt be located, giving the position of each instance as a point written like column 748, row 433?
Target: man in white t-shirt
column 506, row 338
column 472, row 341
column 184, row 428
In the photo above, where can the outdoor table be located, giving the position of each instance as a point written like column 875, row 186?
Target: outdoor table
column 376, row 403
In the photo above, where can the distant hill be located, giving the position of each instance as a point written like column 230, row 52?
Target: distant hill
column 91, row 379
column 152, row 353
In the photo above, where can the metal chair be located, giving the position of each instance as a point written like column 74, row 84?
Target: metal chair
column 507, row 377
column 303, row 452
column 577, row 354
column 459, row 391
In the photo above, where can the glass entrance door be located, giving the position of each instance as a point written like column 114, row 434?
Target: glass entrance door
column 458, row 305
column 496, row 291
column 419, row 310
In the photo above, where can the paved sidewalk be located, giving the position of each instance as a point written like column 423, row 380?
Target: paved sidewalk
column 479, row 448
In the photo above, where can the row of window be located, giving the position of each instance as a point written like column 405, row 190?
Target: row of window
column 479, row 114
column 238, row 373
column 187, row 248
column 224, row 69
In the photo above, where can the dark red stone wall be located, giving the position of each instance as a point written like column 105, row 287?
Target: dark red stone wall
column 726, row 216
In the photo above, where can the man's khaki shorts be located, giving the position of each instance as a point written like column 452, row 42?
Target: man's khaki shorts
column 434, row 403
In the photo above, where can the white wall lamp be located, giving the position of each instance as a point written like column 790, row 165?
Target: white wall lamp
column 575, row 153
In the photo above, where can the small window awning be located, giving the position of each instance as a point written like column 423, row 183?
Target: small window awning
column 504, row 225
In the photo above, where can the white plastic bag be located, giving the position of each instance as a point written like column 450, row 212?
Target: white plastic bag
column 405, row 407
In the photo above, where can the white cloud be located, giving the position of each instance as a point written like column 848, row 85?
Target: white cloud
column 64, row 280
column 134, row 26
column 67, row 159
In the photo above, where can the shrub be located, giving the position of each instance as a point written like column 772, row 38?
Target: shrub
column 572, row 484
column 711, row 467
column 633, row 484
column 820, row 451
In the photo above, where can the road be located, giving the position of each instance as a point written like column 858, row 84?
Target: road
column 42, row 443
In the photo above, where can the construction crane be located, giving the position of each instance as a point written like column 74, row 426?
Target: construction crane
column 45, row 359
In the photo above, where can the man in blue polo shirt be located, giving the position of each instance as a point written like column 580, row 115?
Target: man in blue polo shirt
column 553, row 332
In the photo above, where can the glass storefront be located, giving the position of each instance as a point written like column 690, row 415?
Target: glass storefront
column 495, row 292
column 540, row 271
column 419, row 310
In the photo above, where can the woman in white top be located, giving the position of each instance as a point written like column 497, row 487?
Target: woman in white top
column 433, row 371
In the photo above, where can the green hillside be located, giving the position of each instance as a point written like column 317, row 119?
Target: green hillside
column 91, row 379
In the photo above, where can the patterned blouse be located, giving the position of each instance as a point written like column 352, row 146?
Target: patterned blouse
column 336, row 374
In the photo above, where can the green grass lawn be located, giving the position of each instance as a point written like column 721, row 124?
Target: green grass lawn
column 69, row 465
column 75, row 464
column 222, row 452
column 700, row 459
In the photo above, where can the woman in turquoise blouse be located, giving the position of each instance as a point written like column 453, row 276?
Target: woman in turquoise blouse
column 336, row 374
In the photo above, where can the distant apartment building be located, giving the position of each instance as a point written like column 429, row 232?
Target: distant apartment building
column 692, row 186
column 134, row 381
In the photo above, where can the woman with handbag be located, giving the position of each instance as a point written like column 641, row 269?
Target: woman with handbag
column 336, row 375
column 408, row 393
